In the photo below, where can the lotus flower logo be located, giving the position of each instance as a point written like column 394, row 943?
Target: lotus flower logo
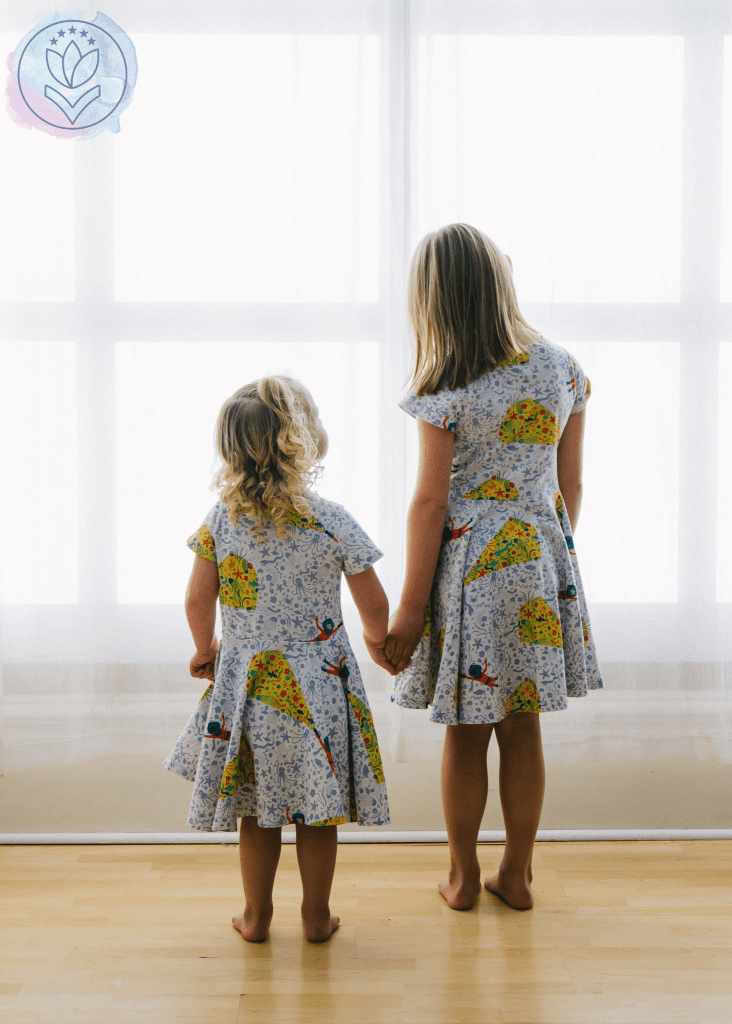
column 72, row 77
column 72, row 70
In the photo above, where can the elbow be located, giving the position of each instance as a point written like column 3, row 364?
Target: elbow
column 570, row 486
column 430, row 505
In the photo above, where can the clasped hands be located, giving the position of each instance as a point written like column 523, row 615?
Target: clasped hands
column 394, row 652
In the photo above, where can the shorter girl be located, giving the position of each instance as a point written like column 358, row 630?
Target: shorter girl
column 284, row 733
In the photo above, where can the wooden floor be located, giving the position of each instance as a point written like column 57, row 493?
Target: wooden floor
column 622, row 933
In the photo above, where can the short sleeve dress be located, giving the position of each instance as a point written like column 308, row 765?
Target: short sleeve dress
column 507, row 626
column 285, row 732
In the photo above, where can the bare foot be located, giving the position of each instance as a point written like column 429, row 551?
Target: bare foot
column 254, row 928
column 319, row 927
column 516, row 893
column 461, row 893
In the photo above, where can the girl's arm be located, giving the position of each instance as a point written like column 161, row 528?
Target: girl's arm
column 425, row 524
column 373, row 607
column 569, row 465
column 201, row 597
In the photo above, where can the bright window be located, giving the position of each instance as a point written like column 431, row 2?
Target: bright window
column 566, row 151
column 38, row 468
column 256, row 182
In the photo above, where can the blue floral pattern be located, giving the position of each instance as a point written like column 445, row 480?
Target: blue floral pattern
column 285, row 732
column 508, row 627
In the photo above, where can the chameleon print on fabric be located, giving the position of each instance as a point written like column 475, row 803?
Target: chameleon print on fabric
column 203, row 544
column 207, row 692
column 528, row 422
column 538, row 624
column 238, row 583
column 504, row 512
column 524, row 698
column 495, row 489
column 366, row 725
column 515, row 542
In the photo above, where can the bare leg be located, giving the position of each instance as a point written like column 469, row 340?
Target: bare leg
column 259, row 855
column 317, row 848
column 521, row 787
column 464, row 793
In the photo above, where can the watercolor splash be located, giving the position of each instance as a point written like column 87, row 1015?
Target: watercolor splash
column 71, row 77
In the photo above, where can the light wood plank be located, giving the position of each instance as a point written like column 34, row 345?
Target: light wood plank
column 622, row 933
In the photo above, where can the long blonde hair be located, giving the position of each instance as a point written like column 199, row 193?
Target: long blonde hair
column 270, row 440
column 463, row 310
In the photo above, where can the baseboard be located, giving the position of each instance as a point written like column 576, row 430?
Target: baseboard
column 362, row 836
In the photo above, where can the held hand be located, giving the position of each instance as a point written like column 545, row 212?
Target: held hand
column 406, row 629
column 376, row 650
column 201, row 665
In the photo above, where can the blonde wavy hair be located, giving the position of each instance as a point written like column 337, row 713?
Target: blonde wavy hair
column 270, row 441
column 463, row 311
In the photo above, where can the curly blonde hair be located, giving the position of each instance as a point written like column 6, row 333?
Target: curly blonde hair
column 270, row 441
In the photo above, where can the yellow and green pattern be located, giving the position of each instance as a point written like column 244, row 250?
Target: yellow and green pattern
column 538, row 624
column 202, row 543
column 524, row 698
column 238, row 583
column 366, row 725
column 207, row 692
column 494, row 489
column 271, row 680
column 230, row 778
column 585, row 631
column 340, row 820
column 239, row 770
column 559, row 506
column 307, row 522
column 515, row 542
column 428, row 620
column 527, row 422
column 517, row 360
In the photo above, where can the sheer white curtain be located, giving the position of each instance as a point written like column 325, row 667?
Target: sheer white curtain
column 255, row 214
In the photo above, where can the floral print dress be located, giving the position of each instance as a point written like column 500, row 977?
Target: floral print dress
column 285, row 732
column 507, row 627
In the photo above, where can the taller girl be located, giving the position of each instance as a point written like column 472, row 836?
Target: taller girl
column 493, row 614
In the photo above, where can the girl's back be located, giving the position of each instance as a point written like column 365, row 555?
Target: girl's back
column 285, row 588
column 508, row 626
column 507, row 424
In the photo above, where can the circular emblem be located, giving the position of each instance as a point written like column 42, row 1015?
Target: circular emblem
column 74, row 76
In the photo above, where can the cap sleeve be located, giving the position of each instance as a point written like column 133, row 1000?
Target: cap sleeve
column 441, row 409
column 581, row 386
column 358, row 550
column 202, row 541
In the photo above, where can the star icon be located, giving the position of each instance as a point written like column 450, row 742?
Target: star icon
column 61, row 33
column 72, row 31
column 54, row 41
column 83, row 32
column 91, row 41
